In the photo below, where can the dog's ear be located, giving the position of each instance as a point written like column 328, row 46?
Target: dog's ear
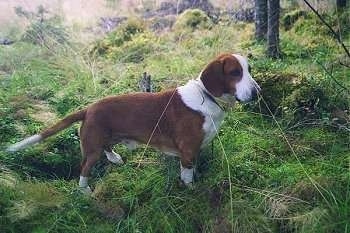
column 213, row 77
column 231, row 66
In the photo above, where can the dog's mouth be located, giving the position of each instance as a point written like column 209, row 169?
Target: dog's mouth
column 249, row 95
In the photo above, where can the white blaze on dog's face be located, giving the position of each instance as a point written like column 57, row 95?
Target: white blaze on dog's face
column 246, row 88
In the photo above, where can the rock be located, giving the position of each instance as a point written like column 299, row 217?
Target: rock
column 161, row 24
column 175, row 8
column 242, row 14
column 6, row 41
column 203, row 5
column 108, row 23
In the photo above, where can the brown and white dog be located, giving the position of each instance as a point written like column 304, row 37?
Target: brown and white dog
column 178, row 122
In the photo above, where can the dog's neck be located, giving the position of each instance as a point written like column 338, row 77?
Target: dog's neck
column 225, row 102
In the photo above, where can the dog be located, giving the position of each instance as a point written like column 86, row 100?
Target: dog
column 178, row 122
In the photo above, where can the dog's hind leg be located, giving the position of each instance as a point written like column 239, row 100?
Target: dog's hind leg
column 112, row 156
column 92, row 148
column 89, row 161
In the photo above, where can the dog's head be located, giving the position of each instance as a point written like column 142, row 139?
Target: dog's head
column 229, row 75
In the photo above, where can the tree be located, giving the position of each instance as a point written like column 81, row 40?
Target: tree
column 341, row 4
column 273, row 28
column 44, row 29
column 260, row 19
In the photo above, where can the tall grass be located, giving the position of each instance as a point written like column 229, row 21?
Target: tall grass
column 270, row 172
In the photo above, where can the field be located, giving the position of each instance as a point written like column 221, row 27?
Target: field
column 280, row 164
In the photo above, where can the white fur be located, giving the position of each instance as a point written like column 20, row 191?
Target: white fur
column 83, row 185
column 193, row 97
column 114, row 157
column 245, row 87
column 186, row 174
column 24, row 143
column 83, row 181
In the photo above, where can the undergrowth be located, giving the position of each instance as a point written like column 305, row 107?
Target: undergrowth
column 283, row 165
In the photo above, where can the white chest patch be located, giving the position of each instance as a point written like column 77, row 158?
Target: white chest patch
column 193, row 97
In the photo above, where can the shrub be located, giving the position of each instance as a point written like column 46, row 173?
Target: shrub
column 133, row 50
column 295, row 97
column 290, row 18
column 43, row 30
column 192, row 20
column 117, row 38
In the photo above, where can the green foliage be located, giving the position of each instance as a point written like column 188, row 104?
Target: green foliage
column 286, row 172
column 300, row 98
column 192, row 19
column 117, row 38
column 128, row 43
column 134, row 50
column 43, row 30
column 342, row 23
column 291, row 17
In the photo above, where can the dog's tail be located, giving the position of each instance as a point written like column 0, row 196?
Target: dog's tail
column 67, row 121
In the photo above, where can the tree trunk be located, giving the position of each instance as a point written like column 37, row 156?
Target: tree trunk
column 273, row 28
column 260, row 19
column 341, row 4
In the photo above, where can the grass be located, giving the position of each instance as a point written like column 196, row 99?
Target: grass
column 281, row 172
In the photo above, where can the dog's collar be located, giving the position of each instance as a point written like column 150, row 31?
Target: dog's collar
column 224, row 105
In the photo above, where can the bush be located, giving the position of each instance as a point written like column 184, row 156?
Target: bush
column 295, row 97
column 133, row 50
column 43, row 30
column 117, row 38
column 159, row 24
column 290, row 18
column 192, row 20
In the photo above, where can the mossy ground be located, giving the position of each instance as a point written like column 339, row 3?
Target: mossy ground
column 278, row 165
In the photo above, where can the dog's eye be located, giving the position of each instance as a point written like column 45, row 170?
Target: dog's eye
column 235, row 72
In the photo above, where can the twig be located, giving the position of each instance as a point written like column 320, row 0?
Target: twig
column 343, row 64
column 336, row 35
column 332, row 77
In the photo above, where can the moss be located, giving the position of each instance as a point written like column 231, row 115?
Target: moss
column 276, row 87
column 311, row 26
column 134, row 50
column 192, row 19
column 291, row 17
column 124, row 33
column 143, row 195
column 297, row 97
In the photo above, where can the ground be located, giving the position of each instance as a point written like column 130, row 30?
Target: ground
column 280, row 164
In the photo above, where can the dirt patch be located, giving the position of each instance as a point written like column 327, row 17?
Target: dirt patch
column 42, row 113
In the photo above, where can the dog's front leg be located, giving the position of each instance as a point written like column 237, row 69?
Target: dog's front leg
column 186, row 166
column 188, row 142
column 187, row 173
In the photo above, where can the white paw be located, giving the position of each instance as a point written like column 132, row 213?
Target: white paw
column 86, row 190
column 186, row 175
column 114, row 157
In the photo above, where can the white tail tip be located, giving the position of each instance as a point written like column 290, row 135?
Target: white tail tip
column 24, row 143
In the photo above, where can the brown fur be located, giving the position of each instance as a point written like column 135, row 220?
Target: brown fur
column 217, row 76
column 135, row 117
column 174, row 126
